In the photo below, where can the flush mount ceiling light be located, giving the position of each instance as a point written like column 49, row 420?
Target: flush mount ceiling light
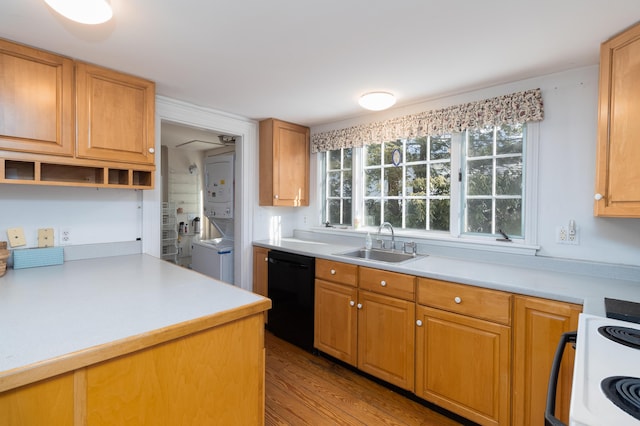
column 83, row 11
column 377, row 101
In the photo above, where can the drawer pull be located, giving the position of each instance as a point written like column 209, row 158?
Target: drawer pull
column 359, row 305
column 352, row 303
column 419, row 323
column 333, row 272
column 383, row 283
column 457, row 299
column 266, row 259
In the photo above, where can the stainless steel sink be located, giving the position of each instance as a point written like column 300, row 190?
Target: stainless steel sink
column 379, row 255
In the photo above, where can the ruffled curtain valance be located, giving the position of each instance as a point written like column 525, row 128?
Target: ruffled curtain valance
column 520, row 107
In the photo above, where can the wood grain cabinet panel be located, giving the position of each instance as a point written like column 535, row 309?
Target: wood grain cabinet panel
column 618, row 151
column 115, row 116
column 538, row 325
column 463, row 364
column 36, row 101
column 284, row 164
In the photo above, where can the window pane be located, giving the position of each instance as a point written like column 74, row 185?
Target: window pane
column 480, row 142
column 388, row 151
column 333, row 183
column 393, row 212
column 372, row 182
column 439, row 215
column 393, row 181
column 416, row 181
column 347, row 184
column 509, row 139
column 333, row 207
column 479, row 175
column 509, row 176
column 440, row 147
column 347, row 158
column 417, row 150
column 509, row 216
column 440, row 179
column 346, row 212
column 416, row 214
column 372, row 212
column 479, row 216
column 334, row 159
column 372, row 157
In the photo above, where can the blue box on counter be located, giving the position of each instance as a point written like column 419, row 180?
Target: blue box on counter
column 34, row 257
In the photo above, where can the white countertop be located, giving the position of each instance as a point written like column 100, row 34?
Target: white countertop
column 52, row 311
column 567, row 287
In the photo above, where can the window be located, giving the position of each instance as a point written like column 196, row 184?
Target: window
column 408, row 183
column 493, row 172
column 338, row 187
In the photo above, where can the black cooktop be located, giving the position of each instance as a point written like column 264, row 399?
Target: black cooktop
column 622, row 310
column 623, row 391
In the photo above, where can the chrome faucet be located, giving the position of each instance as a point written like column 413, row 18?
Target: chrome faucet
column 393, row 237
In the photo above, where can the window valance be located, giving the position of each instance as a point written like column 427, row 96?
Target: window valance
column 517, row 107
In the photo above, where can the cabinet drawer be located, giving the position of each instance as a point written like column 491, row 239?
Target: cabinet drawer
column 477, row 302
column 390, row 283
column 343, row 273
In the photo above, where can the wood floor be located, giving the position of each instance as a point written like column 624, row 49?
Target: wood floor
column 305, row 389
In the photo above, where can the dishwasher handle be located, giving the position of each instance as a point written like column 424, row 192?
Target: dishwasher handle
column 549, row 414
column 294, row 265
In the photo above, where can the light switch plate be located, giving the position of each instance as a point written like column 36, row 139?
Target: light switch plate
column 16, row 237
column 45, row 237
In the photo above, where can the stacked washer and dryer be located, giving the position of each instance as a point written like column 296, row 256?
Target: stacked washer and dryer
column 214, row 257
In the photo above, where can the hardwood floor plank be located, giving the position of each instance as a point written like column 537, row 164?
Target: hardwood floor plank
column 302, row 388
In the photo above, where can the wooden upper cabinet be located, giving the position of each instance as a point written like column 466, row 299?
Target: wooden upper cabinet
column 115, row 117
column 284, row 164
column 36, row 101
column 618, row 152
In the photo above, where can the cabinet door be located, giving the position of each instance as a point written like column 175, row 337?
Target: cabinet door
column 463, row 365
column 284, row 164
column 618, row 153
column 386, row 338
column 260, row 270
column 538, row 325
column 335, row 322
column 36, row 101
column 115, row 116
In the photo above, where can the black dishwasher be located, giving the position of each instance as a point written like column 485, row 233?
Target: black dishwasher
column 291, row 290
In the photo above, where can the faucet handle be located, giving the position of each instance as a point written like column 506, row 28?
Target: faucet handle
column 410, row 247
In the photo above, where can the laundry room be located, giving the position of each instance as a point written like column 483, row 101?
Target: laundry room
column 198, row 182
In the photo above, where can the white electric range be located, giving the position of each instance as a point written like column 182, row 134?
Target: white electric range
column 606, row 379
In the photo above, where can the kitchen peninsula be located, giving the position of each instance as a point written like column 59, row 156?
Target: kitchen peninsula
column 128, row 340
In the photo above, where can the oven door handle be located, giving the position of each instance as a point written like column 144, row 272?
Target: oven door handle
column 549, row 413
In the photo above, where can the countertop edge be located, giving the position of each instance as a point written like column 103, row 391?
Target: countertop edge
column 49, row 368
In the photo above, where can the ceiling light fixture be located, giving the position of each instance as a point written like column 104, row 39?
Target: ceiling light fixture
column 83, row 11
column 377, row 101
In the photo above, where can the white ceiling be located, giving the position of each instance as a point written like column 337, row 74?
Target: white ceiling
column 308, row 61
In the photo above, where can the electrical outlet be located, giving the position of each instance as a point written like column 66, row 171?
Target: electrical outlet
column 65, row 236
column 16, row 237
column 568, row 234
column 562, row 235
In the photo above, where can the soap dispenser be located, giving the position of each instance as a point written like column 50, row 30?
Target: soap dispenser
column 367, row 242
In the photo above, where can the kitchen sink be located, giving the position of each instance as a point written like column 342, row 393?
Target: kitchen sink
column 380, row 255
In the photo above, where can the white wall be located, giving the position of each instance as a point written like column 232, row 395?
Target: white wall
column 93, row 215
column 566, row 175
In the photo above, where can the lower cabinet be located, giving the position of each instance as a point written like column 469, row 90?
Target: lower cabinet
column 463, row 365
column 537, row 327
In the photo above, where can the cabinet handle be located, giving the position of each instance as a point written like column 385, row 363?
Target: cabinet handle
column 266, row 259
column 352, row 303
column 152, row 150
column 419, row 323
column 598, row 197
column 383, row 283
column 275, row 196
column 333, row 272
column 457, row 300
column 359, row 305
